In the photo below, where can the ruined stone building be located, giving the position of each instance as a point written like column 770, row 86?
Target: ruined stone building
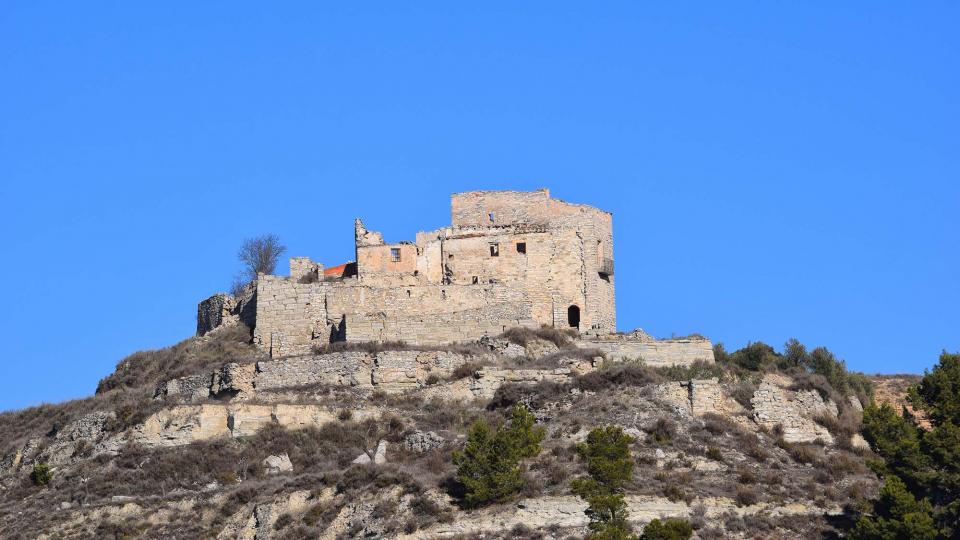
column 507, row 259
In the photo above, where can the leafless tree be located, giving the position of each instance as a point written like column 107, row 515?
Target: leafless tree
column 260, row 255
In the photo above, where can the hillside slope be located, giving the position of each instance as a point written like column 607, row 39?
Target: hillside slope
column 208, row 439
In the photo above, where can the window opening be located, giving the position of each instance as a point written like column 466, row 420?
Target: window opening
column 395, row 254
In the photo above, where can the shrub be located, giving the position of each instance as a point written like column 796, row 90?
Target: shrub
column 662, row 431
column 755, row 357
column 465, row 370
column 617, row 375
column 714, row 453
column 488, row 468
column 607, row 454
column 742, row 393
column 41, row 474
column 535, row 395
column 521, row 335
column 746, row 496
column 801, row 453
column 668, row 529
column 696, row 370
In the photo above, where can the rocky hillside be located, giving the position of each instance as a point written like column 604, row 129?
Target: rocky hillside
column 208, row 439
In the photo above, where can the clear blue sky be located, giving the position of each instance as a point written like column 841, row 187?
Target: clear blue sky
column 775, row 170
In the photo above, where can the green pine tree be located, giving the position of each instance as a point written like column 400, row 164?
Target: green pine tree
column 921, row 468
column 609, row 465
column 488, row 467
column 897, row 515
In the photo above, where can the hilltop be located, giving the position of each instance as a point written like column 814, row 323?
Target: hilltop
column 212, row 438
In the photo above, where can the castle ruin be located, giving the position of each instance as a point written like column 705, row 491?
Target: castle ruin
column 507, row 259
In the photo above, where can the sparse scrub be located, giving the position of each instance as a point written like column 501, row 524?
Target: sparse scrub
column 562, row 338
column 627, row 374
column 662, row 431
column 746, row 496
column 696, row 370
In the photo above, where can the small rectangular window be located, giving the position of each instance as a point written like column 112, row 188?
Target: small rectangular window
column 395, row 254
column 476, row 280
column 521, row 247
column 491, row 217
column 494, row 250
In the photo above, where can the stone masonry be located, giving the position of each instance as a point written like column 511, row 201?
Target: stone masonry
column 508, row 259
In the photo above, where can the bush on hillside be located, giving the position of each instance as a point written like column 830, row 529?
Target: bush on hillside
column 667, row 529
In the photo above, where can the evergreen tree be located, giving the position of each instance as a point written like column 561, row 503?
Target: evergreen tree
column 488, row 467
column 607, row 453
column 897, row 515
column 921, row 469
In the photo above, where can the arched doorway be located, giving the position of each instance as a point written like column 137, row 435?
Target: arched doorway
column 573, row 316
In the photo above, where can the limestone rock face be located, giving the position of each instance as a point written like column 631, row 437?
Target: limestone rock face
column 486, row 382
column 277, row 464
column 190, row 388
column 503, row 347
column 235, row 380
column 185, row 424
column 82, row 436
column 223, row 309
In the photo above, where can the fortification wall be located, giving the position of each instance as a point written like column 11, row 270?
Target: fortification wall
column 661, row 352
column 509, row 259
column 292, row 316
column 439, row 328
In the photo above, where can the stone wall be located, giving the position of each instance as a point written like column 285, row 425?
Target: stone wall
column 653, row 352
column 792, row 412
column 303, row 269
column 696, row 396
column 223, row 309
column 539, row 261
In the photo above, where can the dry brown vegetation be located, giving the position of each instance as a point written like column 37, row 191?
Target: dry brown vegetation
column 129, row 390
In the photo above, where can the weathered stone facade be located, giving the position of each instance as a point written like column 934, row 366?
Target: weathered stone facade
column 507, row 259
column 639, row 346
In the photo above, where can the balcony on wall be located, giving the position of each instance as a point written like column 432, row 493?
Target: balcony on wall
column 606, row 267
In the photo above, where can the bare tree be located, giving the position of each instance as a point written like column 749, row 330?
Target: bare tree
column 260, row 255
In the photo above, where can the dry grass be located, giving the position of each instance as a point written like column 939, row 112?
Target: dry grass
column 128, row 391
column 563, row 339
